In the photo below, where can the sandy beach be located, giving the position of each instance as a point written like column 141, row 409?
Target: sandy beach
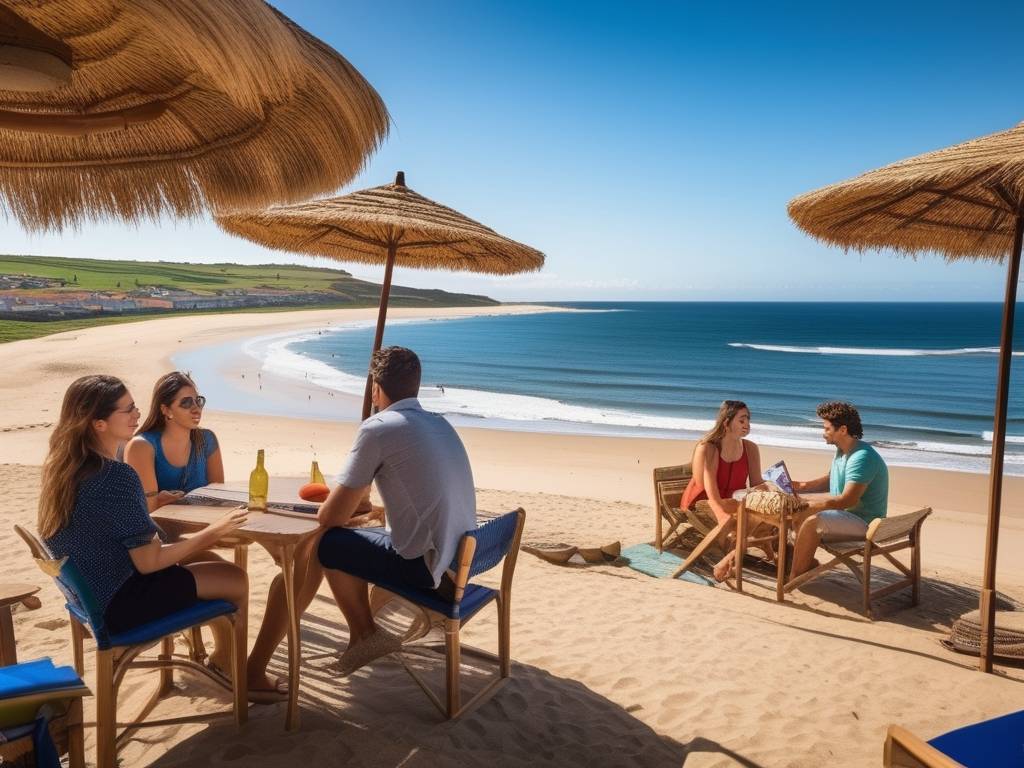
column 611, row 667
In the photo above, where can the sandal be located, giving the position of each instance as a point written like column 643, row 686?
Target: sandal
column 270, row 695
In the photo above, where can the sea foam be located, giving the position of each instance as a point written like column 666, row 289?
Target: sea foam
column 872, row 351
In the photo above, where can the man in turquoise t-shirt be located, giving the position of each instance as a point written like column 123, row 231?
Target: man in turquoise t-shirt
column 858, row 486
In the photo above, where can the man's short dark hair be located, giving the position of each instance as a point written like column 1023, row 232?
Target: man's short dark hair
column 842, row 415
column 397, row 371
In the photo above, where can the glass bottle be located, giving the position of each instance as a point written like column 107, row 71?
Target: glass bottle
column 259, row 483
column 315, row 475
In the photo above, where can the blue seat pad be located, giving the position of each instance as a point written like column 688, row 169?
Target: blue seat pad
column 473, row 599
column 199, row 613
column 34, row 677
column 999, row 741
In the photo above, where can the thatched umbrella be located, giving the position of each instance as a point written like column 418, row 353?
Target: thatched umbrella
column 390, row 225
column 139, row 108
column 964, row 202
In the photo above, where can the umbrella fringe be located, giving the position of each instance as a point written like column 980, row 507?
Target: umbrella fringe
column 358, row 227
column 258, row 112
column 959, row 202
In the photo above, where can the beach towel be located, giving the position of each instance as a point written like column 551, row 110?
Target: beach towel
column 661, row 565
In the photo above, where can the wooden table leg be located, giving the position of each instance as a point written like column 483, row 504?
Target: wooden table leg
column 780, row 559
column 741, row 544
column 291, row 721
column 8, row 650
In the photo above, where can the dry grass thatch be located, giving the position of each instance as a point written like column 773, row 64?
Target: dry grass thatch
column 962, row 202
column 361, row 226
column 255, row 111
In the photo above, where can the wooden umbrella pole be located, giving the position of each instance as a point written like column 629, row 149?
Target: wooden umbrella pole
column 382, row 314
column 988, row 603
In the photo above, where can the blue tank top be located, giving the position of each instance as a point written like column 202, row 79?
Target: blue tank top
column 193, row 475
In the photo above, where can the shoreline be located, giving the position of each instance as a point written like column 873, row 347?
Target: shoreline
column 260, row 376
column 34, row 374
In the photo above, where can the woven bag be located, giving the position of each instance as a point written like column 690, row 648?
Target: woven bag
column 772, row 502
column 1008, row 640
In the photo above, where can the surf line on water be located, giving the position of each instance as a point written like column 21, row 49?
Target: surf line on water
column 875, row 351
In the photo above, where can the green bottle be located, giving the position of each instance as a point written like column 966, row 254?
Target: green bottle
column 259, row 483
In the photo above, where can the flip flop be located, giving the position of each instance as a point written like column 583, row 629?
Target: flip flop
column 270, row 695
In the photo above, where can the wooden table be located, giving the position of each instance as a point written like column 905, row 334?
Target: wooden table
column 280, row 531
column 747, row 519
column 11, row 594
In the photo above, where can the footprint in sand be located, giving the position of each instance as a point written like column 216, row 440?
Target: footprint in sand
column 51, row 624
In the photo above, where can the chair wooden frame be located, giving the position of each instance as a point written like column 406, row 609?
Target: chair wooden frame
column 885, row 536
column 113, row 663
column 905, row 750
column 669, row 486
column 453, row 649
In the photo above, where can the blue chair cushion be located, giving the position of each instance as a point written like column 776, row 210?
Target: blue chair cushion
column 199, row 613
column 999, row 741
column 35, row 677
column 473, row 599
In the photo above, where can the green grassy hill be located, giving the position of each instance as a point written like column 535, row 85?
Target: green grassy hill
column 102, row 275
column 321, row 286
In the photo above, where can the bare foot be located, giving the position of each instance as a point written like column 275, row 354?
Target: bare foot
column 264, row 690
column 724, row 567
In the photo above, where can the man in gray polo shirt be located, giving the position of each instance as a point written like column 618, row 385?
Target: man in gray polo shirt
column 424, row 478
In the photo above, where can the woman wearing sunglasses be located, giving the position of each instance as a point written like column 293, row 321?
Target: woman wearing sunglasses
column 173, row 456
column 170, row 451
column 92, row 511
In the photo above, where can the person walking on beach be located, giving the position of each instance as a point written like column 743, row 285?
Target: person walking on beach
column 724, row 461
column 424, row 477
column 857, row 483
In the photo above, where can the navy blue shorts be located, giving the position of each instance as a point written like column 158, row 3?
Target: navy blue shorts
column 146, row 597
column 368, row 554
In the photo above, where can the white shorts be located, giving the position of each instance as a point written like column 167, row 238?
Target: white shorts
column 840, row 525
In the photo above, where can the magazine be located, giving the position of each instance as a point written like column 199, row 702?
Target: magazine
column 778, row 474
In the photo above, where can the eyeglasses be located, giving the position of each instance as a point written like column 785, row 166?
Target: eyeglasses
column 188, row 403
column 129, row 410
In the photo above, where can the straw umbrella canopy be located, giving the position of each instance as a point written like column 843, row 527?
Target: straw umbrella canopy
column 964, row 202
column 138, row 108
column 392, row 225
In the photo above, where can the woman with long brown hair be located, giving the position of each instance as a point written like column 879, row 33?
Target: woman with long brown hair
column 93, row 511
column 723, row 463
column 171, row 452
column 174, row 455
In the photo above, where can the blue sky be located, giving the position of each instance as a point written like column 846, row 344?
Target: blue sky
column 649, row 149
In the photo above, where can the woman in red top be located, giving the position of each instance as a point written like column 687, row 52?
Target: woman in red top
column 723, row 463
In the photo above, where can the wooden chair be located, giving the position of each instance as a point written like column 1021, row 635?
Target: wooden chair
column 116, row 653
column 479, row 551
column 995, row 742
column 669, row 485
column 885, row 536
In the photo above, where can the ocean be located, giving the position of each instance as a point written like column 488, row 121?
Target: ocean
column 922, row 375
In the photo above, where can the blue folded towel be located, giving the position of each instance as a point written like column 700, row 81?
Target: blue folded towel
column 34, row 677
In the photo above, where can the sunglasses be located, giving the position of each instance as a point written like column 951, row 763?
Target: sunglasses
column 192, row 402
